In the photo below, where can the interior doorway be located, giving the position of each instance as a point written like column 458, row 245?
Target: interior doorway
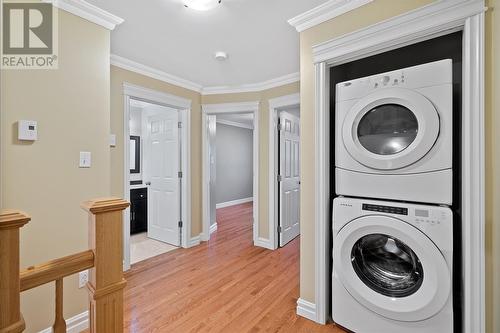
column 230, row 161
column 156, row 169
column 284, row 169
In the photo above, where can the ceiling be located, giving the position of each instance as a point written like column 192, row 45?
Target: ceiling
column 180, row 41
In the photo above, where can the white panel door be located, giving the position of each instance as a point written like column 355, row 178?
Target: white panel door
column 163, row 167
column 290, row 177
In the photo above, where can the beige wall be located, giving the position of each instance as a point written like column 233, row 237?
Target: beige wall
column 492, row 104
column 71, row 105
column 118, row 77
column 264, row 98
column 372, row 13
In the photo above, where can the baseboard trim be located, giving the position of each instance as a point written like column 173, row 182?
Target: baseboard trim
column 75, row 324
column 194, row 241
column 306, row 309
column 213, row 228
column 263, row 242
column 233, row 202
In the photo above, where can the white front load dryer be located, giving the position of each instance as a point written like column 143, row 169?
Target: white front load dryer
column 394, row 135
column 392, row 267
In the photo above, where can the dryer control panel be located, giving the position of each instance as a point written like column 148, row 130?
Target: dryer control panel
column 430, row 74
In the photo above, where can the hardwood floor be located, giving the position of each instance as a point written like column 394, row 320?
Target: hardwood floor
column 225, row 285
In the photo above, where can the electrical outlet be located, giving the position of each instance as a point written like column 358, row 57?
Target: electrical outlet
column 83, row 278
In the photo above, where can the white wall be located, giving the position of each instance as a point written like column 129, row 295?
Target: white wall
column 234, row 163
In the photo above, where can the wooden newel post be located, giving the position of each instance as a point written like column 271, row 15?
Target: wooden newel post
column 11, row 320
column 106, row 280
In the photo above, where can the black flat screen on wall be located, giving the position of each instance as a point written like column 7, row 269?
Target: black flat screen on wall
column 443, row 47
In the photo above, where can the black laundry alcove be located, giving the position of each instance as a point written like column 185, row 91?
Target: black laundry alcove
column 444, row 47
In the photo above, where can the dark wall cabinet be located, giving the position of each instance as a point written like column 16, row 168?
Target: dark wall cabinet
column 138, row 210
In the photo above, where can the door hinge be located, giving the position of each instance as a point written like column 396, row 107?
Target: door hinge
column 179, row 174
column 279, row 127
column 279, row 178
column 279, row 229
column 179, row 124
column 180, row 224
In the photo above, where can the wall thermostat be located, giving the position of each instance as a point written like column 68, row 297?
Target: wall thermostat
column 27, row 130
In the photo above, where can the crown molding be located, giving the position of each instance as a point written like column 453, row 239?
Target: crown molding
column 153, row 73
column 89, row 12
column 325, row 12
column 420, row 22
column 234, row 123
column 252, row 87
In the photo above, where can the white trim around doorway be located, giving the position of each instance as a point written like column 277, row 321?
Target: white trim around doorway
column 131, row 91
column 214, row 109
column 275, row 105
column 435, row 19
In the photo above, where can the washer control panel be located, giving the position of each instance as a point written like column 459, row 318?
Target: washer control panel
column 429, row 217
column 385, row 209
column 420, row 216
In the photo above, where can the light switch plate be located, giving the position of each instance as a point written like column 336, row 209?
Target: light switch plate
column 112, row 140
column 85, row 159
column 27, row 130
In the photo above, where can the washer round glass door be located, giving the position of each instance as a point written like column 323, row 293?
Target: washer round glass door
column 391, row 128
column 387, row 265
column 391, row 268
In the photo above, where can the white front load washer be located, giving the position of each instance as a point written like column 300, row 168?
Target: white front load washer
column 392, row 267
column 394, row 135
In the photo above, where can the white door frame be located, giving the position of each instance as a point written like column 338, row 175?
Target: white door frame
column 131, row 91
column 224, row 108
column 436, row 19
column 276, row 105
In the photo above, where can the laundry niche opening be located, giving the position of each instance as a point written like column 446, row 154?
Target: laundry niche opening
column 390, row 113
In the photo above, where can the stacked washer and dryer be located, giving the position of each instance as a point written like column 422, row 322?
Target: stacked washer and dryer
column 392, row 225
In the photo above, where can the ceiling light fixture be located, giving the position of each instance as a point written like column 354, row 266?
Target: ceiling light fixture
column 221, row 56
column 201, row 4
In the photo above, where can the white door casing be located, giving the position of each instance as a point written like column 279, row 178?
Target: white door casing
column 131, row 91
column 289, row 184
column 432, row 20
column 225, row 108
column 163, row 167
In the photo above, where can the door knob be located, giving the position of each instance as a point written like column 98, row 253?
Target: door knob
column 148, row 183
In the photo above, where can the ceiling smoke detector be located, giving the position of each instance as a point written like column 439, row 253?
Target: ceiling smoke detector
column 202, row 5
column 221, row 56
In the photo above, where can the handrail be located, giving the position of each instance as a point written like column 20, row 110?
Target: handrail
column 104, row 259
column 53, row 270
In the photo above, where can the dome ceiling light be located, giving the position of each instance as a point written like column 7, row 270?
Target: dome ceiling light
column 202, row 5
column 221, row 56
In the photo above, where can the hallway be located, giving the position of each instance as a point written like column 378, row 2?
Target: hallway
column 225, row 285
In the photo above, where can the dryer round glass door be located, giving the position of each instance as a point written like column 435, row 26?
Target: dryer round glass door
column 390, row 129
column 391, row 268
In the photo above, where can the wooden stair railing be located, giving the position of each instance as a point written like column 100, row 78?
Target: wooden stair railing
column 104, row 259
